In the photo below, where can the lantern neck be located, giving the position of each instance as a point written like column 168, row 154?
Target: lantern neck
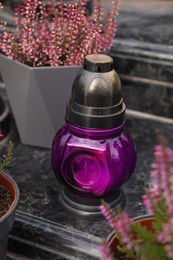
column 95, row 133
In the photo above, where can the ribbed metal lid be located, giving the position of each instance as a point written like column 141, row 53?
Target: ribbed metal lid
column 96, row 100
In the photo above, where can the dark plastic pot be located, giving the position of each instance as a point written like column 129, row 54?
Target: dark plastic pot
column 7, row 220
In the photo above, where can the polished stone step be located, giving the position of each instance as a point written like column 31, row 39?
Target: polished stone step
column 146, row 21
column 143, row 59
column 145, row 70
column 35, row 237
column 148, row 96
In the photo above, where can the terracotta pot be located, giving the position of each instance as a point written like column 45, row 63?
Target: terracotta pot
column 146, row 220
column 7, row 220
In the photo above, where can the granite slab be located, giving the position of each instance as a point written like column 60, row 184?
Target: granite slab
column 143, row 56
column 146, row 21
column 148, row 96
column 145, row 70
column 143, row 60
column 43, row 227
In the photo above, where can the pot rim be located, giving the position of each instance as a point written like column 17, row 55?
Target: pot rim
column 5, row 111
column 3, row 116
column 135, row 219
column 16, row 196
column 40, row 67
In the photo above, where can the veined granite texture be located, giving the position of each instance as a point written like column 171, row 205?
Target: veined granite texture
column 43, row 239
column 143, row 60
column 145, row 70
column 39, row 191
column 148, row 96
column 146, row 21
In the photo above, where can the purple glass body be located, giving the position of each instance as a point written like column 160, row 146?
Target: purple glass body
column 93, row 162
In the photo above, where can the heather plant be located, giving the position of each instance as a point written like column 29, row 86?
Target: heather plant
column 6, row 197
column 135, row 240
column 6, row 158
column 55, row 34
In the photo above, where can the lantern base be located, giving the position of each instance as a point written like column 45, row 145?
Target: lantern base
column 90, row 206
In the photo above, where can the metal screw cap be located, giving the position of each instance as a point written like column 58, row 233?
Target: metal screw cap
column 96, row 100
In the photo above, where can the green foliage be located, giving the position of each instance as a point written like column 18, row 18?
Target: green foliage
column 160, row 215
column 142, row 233
column 7, row 158
column 145, row 243
column 153, row 251
column 124, row 250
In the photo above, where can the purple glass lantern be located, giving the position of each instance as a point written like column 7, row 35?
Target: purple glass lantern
column 92, row 154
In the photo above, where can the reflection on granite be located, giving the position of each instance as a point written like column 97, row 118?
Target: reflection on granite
column 149, row 97
column 37, row 237
column 145, row 70
column 143, row 60
column 146, row 21
column 40, row 189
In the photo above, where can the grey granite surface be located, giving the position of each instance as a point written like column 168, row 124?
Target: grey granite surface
column 145, row 70
column 48, row 224
column 148, row 96
column 146, row 21
column 143, row 60
column 143, row 56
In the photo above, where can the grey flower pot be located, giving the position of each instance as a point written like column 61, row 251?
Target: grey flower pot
column 5, row 122
column 38, row 97
column 7, row 220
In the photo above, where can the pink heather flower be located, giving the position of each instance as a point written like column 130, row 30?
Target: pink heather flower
column 169, row 250
column 162, row 191
column 109, row 214
column 166, row 237
column 1, row 134
column 159, row 201
column 148, row 204
column 124, row 227
column 60, row 34
column 151, row 199
column 106, row 252
column 143, row 258
column 120, row 222
column 162, row 175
